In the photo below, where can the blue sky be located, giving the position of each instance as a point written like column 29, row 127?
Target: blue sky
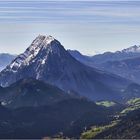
column 88, row 26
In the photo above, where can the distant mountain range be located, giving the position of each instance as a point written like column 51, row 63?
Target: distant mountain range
column 5, row 59
column 124, row 63
column 48, row 61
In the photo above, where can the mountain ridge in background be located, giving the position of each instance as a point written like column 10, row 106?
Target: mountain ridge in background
column 131, row 52
column 5, row 59
column 124, row 63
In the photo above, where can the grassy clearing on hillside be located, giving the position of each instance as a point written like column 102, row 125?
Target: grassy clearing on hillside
column 133, row 104
column 90, row 134
column 106, row 103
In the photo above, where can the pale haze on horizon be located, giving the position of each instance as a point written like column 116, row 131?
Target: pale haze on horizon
column 88, row 26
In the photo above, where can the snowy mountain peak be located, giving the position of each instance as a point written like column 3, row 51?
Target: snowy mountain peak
column 132, row 49
column 39, row 50
column 45, row 39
